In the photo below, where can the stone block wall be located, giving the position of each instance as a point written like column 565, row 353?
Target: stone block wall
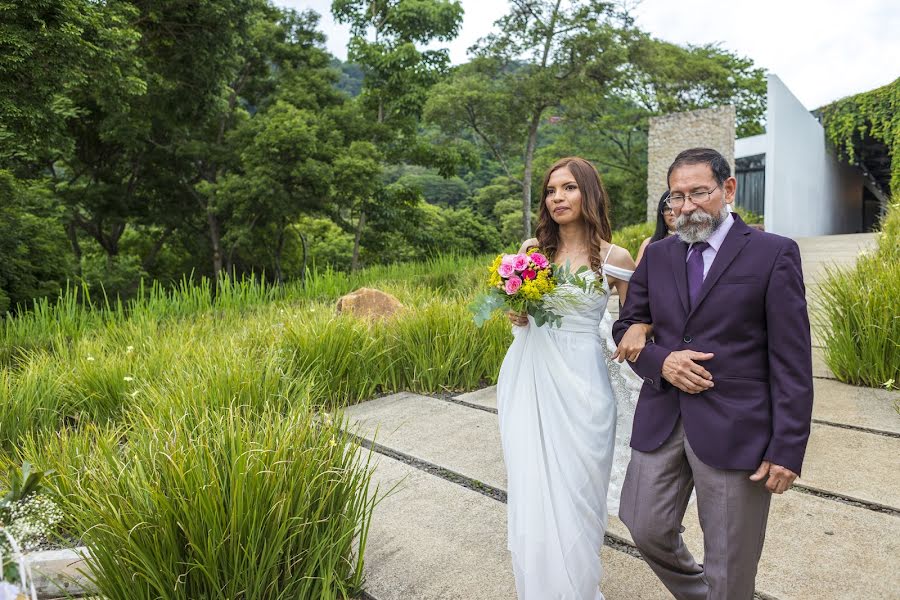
column 670, row 134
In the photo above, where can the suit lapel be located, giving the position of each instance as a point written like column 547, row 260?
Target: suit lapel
column 678, row 258
column 734, row 242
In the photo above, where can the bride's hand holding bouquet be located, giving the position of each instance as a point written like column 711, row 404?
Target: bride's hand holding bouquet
column 521, row 283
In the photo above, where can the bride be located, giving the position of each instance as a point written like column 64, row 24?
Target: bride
column 555, row 399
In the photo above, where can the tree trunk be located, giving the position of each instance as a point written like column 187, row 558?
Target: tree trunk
column 529, row 170
column 354, row 264
column 305, row 254
column 150, row 260
column 279, row 249
column 72, row 232
column 215, row 238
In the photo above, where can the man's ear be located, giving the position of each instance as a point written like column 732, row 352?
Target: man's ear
column 730, row 186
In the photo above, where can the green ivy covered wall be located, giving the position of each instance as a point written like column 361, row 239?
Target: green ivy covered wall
column 874, row 114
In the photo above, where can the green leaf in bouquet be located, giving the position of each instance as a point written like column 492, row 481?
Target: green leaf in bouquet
column 484, row 306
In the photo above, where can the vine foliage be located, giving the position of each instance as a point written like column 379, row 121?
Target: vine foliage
column 875, row 113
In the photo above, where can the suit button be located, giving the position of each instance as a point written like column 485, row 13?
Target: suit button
column 648, row 380
column 688, row 339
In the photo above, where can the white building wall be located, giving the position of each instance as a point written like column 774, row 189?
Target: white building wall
column 750, row 146
column 804, row 191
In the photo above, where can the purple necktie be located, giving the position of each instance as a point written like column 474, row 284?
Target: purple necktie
column 695, row 270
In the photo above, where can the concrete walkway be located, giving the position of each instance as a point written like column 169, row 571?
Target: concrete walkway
column 440, row 531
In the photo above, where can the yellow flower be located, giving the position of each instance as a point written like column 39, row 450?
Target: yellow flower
column 494, row 278
column 530, row 290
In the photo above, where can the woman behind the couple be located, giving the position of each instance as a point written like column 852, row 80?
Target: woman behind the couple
column 556, row 406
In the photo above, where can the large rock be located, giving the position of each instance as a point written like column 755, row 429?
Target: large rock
column 368, row 303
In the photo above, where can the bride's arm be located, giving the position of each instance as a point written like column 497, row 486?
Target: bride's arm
column 635, row 338
column 529, row 243
column 633, row 342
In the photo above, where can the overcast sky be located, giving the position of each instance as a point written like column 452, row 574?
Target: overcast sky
column 821, row 49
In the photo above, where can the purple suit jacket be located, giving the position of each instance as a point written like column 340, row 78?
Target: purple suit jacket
column 751, row 313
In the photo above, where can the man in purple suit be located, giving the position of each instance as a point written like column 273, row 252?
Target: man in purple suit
column 727, row 396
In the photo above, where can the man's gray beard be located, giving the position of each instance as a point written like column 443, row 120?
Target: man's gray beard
column 699, row 225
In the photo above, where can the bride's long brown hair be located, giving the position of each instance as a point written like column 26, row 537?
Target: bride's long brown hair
column 594, row 210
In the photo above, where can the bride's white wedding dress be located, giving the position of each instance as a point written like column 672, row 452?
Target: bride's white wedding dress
column 558, row 426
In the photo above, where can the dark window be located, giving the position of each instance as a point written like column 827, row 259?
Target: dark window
column 750, row 172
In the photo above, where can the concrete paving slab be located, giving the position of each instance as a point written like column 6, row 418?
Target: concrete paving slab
column 860, row 407
column 486, row 397
column 835, row 402
column 857, row 464
column 859, row 543
column 434, row 540
column 816, row 548
column 819, row 368
column 462, row 439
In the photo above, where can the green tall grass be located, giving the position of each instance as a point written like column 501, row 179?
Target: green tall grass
column 859, row 315
column 190, row 431
column 225, row 504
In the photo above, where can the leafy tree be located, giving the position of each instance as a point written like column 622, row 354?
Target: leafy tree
column 47, row 49
column 34, row 259
column 444, row 191
column 543, row 53
column 662, row 77
column 397, row 74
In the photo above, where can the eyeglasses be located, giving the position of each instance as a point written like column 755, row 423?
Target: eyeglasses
column 667, row 210
column 696, row 197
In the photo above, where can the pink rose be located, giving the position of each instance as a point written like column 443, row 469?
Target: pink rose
column 512, row 285
column 529, row 274
column 505, row 269
column 540, row 260
column 508, row 259
column 520, row 262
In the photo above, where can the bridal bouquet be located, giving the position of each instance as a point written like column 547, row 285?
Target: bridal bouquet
column 522, row 282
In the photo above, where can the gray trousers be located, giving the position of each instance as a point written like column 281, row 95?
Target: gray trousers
column 733, row 512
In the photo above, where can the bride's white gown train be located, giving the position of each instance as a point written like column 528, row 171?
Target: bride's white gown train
column 558, row 415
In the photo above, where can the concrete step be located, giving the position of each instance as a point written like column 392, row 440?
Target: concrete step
column 832, row 543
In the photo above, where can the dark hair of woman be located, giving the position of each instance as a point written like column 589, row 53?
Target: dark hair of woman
column 594, row 210
column 662, row 230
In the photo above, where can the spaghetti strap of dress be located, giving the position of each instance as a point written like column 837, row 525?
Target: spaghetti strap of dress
column 611, row 246
column 617, row 272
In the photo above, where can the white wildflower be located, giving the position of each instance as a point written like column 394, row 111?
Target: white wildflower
column 32, row 521
column 128, row 378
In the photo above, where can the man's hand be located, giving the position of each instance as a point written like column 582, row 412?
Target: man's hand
column 780, row 478
column 632, row 342
column 519, row 319
column 680, row 370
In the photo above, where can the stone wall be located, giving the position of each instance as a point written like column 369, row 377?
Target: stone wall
column 670, row 134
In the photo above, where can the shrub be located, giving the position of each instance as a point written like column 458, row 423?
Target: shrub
column 632, row 236
column 857, row 311
column 245, row 502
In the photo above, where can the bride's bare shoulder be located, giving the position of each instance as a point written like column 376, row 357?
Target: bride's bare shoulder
column 620, row 257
